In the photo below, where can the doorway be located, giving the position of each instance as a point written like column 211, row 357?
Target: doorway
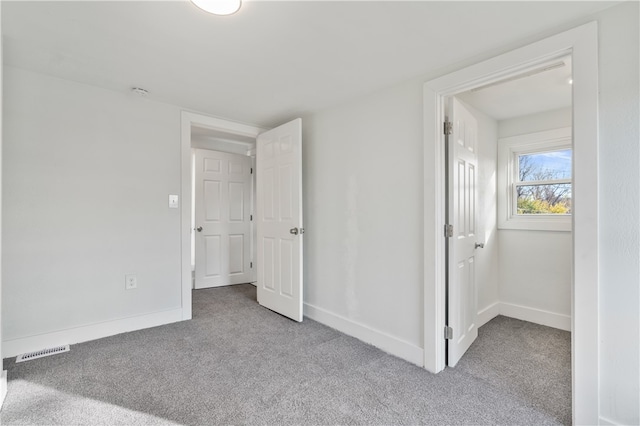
column 510, row 253
column 217, row 134
column 581, row 44
column 278, row 219
column 510, row 203
column 223, row 205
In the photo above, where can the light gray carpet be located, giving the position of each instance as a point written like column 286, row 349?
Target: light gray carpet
column 238, row 363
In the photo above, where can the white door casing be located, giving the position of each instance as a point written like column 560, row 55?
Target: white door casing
column 222, row 219
column 462, row 212
column 279, row 219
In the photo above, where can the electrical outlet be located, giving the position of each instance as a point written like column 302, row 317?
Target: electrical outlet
column 130, row 281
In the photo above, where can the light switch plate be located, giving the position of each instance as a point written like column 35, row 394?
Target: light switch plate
column 173, row 201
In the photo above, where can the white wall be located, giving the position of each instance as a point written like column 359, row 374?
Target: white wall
column 535, row 274
column 364, row 266
column 554, row 119
column 364, row 217
column 535, row 266
column 87, row 174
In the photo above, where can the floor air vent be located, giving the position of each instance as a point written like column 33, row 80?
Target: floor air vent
column 42, row 353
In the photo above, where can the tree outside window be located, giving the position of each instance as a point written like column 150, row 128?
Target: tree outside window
column 544, row 183
column 534, row 181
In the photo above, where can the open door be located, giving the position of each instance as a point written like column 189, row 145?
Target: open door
column 279, row 214
column 462, row 163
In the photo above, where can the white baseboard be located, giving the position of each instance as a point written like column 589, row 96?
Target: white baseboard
column 488, row 313
column 379, row 339
column 3, row 386
column 538, row 316
column 14, row 347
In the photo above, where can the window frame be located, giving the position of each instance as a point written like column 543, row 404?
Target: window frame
column 509, row 149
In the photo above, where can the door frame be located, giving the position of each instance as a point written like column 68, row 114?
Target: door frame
column 189, row 119
column 582, row 43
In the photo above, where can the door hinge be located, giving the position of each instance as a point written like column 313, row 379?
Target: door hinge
column 252, row 170
column 448, row 231
column 448, row 332
column 250, row 264
column 448, row 128
column 250, row 217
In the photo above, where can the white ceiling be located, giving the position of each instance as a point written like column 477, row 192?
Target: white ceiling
column 272, row 61
column 544, row 91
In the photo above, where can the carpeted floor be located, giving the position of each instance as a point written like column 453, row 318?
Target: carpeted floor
column 238, row 363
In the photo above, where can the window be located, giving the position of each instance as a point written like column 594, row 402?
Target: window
column 534, row 181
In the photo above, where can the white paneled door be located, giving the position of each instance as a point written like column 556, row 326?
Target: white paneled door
column 222, row 219
column 462, row 213
column 279, row 219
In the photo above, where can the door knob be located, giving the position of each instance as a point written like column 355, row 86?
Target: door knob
column 199, row 229
column 480, row 245
column 293, row 231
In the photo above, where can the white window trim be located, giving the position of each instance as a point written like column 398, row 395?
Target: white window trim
column 508, row 151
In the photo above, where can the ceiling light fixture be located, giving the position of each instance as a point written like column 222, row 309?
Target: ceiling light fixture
column 140, row 91
column 219, row 7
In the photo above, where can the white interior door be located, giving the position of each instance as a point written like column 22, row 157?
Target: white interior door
column 462, row 213
column 222, row 219
column 279, row 219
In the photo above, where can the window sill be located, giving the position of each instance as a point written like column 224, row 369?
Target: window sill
column 537, row 223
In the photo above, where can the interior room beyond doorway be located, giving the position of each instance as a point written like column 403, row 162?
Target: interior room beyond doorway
column 524, row 195
column 222, row 208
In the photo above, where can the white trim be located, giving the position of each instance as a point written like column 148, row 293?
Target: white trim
column 187, row 120
column 585, row 314
column 582, row 43
column 524, row 313
column 487, row 314
column 11, row 348
column 537, row 316
column 3, row 374
column 3, row 387
column 377, row 338
column 508, row 149
column 434, row 221
column 606, row 422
